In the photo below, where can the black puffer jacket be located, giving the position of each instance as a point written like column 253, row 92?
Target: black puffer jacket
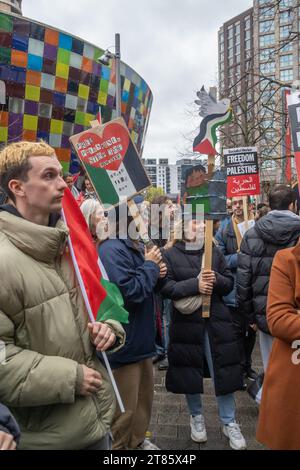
column 273, row 232
column 186, row 348
column 227, row 242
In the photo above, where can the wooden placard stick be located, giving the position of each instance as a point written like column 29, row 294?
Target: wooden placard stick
column 245, row 210
column 139, row 223
column 206, row 299
column 95, row 123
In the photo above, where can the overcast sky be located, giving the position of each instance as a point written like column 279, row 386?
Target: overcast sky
column 172, row 44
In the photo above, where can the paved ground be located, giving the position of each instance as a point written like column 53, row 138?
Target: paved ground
column 170, row 420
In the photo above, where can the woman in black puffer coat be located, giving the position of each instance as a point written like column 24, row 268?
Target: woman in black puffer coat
column 195, row 342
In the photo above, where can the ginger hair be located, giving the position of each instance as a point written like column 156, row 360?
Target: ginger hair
column 19, row 152
column 14, row 161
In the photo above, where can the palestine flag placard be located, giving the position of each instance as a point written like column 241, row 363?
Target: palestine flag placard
column 111, row 161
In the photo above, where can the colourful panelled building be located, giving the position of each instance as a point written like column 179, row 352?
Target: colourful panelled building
column 55, row 86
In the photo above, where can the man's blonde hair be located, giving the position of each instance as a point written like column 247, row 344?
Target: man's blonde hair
column 14, row 161
column 16, row 154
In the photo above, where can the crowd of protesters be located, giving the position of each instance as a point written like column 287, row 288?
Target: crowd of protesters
column 55, row 392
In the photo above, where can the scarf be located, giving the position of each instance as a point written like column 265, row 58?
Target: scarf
column 235, row 222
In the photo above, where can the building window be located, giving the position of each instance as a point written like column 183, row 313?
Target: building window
column 247, row 23
column 265, row 85
column 286, row 61
column 286, row 4
column 267, row 54
column 266, row 95
column 267, row 12
column 267, row 124
column 266, row 26
column 268, row 67
column 285, row 31
column 286, row 75
column 247, row 35
column 266, row 40
column 269, row 165
column 287, row 48
column 286, row 17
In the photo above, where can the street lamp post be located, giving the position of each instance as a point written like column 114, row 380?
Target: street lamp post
column 118, row 74
column 105, row 60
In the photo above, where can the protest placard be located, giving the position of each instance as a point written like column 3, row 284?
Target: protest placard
column 215, row 114
column 111, row 161
column 205, row 193
column 242, row 172
column 294, row 113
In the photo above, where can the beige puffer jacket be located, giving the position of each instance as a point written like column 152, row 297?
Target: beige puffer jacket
column 43, row 323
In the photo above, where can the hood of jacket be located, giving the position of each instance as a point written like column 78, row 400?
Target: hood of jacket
column 38, row 241
column 281, row 227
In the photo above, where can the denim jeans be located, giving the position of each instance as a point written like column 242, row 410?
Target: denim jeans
column 226, row 403
column 167, row 306
column 266, row 343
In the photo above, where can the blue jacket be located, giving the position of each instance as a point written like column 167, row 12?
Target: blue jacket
column 8, row 423
column 136, row 278
column 226, row 240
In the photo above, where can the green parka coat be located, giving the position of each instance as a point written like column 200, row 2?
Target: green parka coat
column 43, row 325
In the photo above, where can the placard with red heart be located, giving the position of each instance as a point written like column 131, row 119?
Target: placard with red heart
column 114, row 143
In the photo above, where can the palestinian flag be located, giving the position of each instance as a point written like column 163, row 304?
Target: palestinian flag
column 206, row 140
column 104, row 297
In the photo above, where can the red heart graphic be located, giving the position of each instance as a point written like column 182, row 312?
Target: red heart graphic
column 106, row 151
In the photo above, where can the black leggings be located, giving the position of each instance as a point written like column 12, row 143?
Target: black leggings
column 245, row 337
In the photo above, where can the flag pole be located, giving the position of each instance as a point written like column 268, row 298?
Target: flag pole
column 92, row 319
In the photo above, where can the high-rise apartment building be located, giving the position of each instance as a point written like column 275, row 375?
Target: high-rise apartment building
column 276, row 63
column 166, row 175
column 235, row 76
column 258, row 56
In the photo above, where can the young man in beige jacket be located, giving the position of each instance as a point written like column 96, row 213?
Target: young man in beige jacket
column 51, row 380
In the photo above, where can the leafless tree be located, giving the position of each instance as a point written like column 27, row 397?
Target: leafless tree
column 260, row 114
